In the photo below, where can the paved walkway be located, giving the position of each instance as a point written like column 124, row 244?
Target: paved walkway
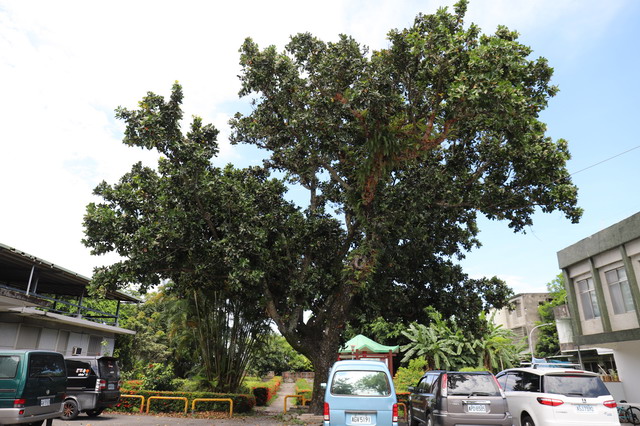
column 277, row 406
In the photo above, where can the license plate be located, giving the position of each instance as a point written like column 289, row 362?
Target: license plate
column 585, row 408
column 111, row 386
column 45, row 402
column 476, row 408
column 360, row 419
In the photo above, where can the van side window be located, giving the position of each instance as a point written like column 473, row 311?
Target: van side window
column 511, row 379
column 523, row 382
column 79, row 369
column 425, row 384
column 9, row 366
column 46, row 365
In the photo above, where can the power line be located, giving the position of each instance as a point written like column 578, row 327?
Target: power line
column 605, row 160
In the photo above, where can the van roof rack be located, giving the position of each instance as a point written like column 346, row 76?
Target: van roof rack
column 555, row 365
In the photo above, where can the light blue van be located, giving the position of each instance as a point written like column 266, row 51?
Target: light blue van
column 358, row 393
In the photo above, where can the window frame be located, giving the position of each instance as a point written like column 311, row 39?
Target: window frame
column 591, row 310
column 621, row 303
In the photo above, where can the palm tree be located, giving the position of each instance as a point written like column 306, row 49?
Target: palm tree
column 495, row 348
column 438, row 342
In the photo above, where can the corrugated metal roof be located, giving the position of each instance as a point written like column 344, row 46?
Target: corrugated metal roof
column 15, row 272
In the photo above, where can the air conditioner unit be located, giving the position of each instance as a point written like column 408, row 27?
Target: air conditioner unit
column 76, row 351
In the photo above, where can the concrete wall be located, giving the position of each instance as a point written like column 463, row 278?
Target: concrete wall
column 26, row 333
column 628, row 362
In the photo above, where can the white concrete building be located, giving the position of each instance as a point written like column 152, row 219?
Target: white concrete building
column 41, row 307
column 521, row 315
column 601, row 274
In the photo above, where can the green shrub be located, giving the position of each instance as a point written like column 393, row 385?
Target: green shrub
column 159, row 377
column 265, row 392
column 472, row 369
column 410, row 375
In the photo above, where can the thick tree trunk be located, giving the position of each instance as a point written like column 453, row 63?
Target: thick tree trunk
column 322, row 361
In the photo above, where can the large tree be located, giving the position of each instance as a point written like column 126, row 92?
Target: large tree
column 399, row 151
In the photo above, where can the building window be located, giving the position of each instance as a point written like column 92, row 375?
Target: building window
column 619, row 290
column 587, row 294
column 517, row 308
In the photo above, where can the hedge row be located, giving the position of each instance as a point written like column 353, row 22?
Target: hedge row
column 241, row 403
column 265, row 392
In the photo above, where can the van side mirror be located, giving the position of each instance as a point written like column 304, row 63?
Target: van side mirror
column 323, row 386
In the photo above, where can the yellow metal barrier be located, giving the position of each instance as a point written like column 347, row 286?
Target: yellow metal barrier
column 303, row 395
column 136, row 396
column 304, row 400
column 182, row 398
column 229, row 400
column 404, row 410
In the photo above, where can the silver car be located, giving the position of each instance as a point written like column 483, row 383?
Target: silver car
column 447, row 398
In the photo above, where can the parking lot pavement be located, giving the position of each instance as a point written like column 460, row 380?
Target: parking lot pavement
column 119, row 419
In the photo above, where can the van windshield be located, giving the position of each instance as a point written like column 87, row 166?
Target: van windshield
column 109, row 368
column 575, row 385
column 360, row 383
column 46, row 365
column 8, row 366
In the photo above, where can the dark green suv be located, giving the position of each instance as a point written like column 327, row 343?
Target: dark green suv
column 32, row 386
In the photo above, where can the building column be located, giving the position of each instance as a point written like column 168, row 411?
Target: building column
column 572, row 301
column 633, row 281
column 602, row 304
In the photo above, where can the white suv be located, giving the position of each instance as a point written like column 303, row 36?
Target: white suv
column 557, row 397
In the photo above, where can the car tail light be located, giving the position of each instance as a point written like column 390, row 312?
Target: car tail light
column 610, row 404
column 550, row 402
column 443, row 385
column 101, row 384
column 19, row 403
column 326, row 412
column 395, row 413
column 499, row 387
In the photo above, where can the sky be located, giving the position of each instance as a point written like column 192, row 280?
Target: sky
column 66, row 65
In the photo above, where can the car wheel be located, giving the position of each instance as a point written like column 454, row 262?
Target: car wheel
column 94, row 413
column 527, row 421
column 69, row 409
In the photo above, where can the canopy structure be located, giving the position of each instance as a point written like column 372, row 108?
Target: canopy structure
column 361, row 347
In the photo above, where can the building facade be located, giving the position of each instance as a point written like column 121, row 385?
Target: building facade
column 44, row 306
column 601, row 274
column 521, row 315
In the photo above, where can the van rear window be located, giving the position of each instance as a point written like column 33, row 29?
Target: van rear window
column 575, row 385
column 9, row 366
column 109, row 368
column 360, row 383
column 472, row 384
column 45, row 365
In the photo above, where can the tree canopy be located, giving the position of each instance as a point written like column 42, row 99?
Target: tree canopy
column 399, row 150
